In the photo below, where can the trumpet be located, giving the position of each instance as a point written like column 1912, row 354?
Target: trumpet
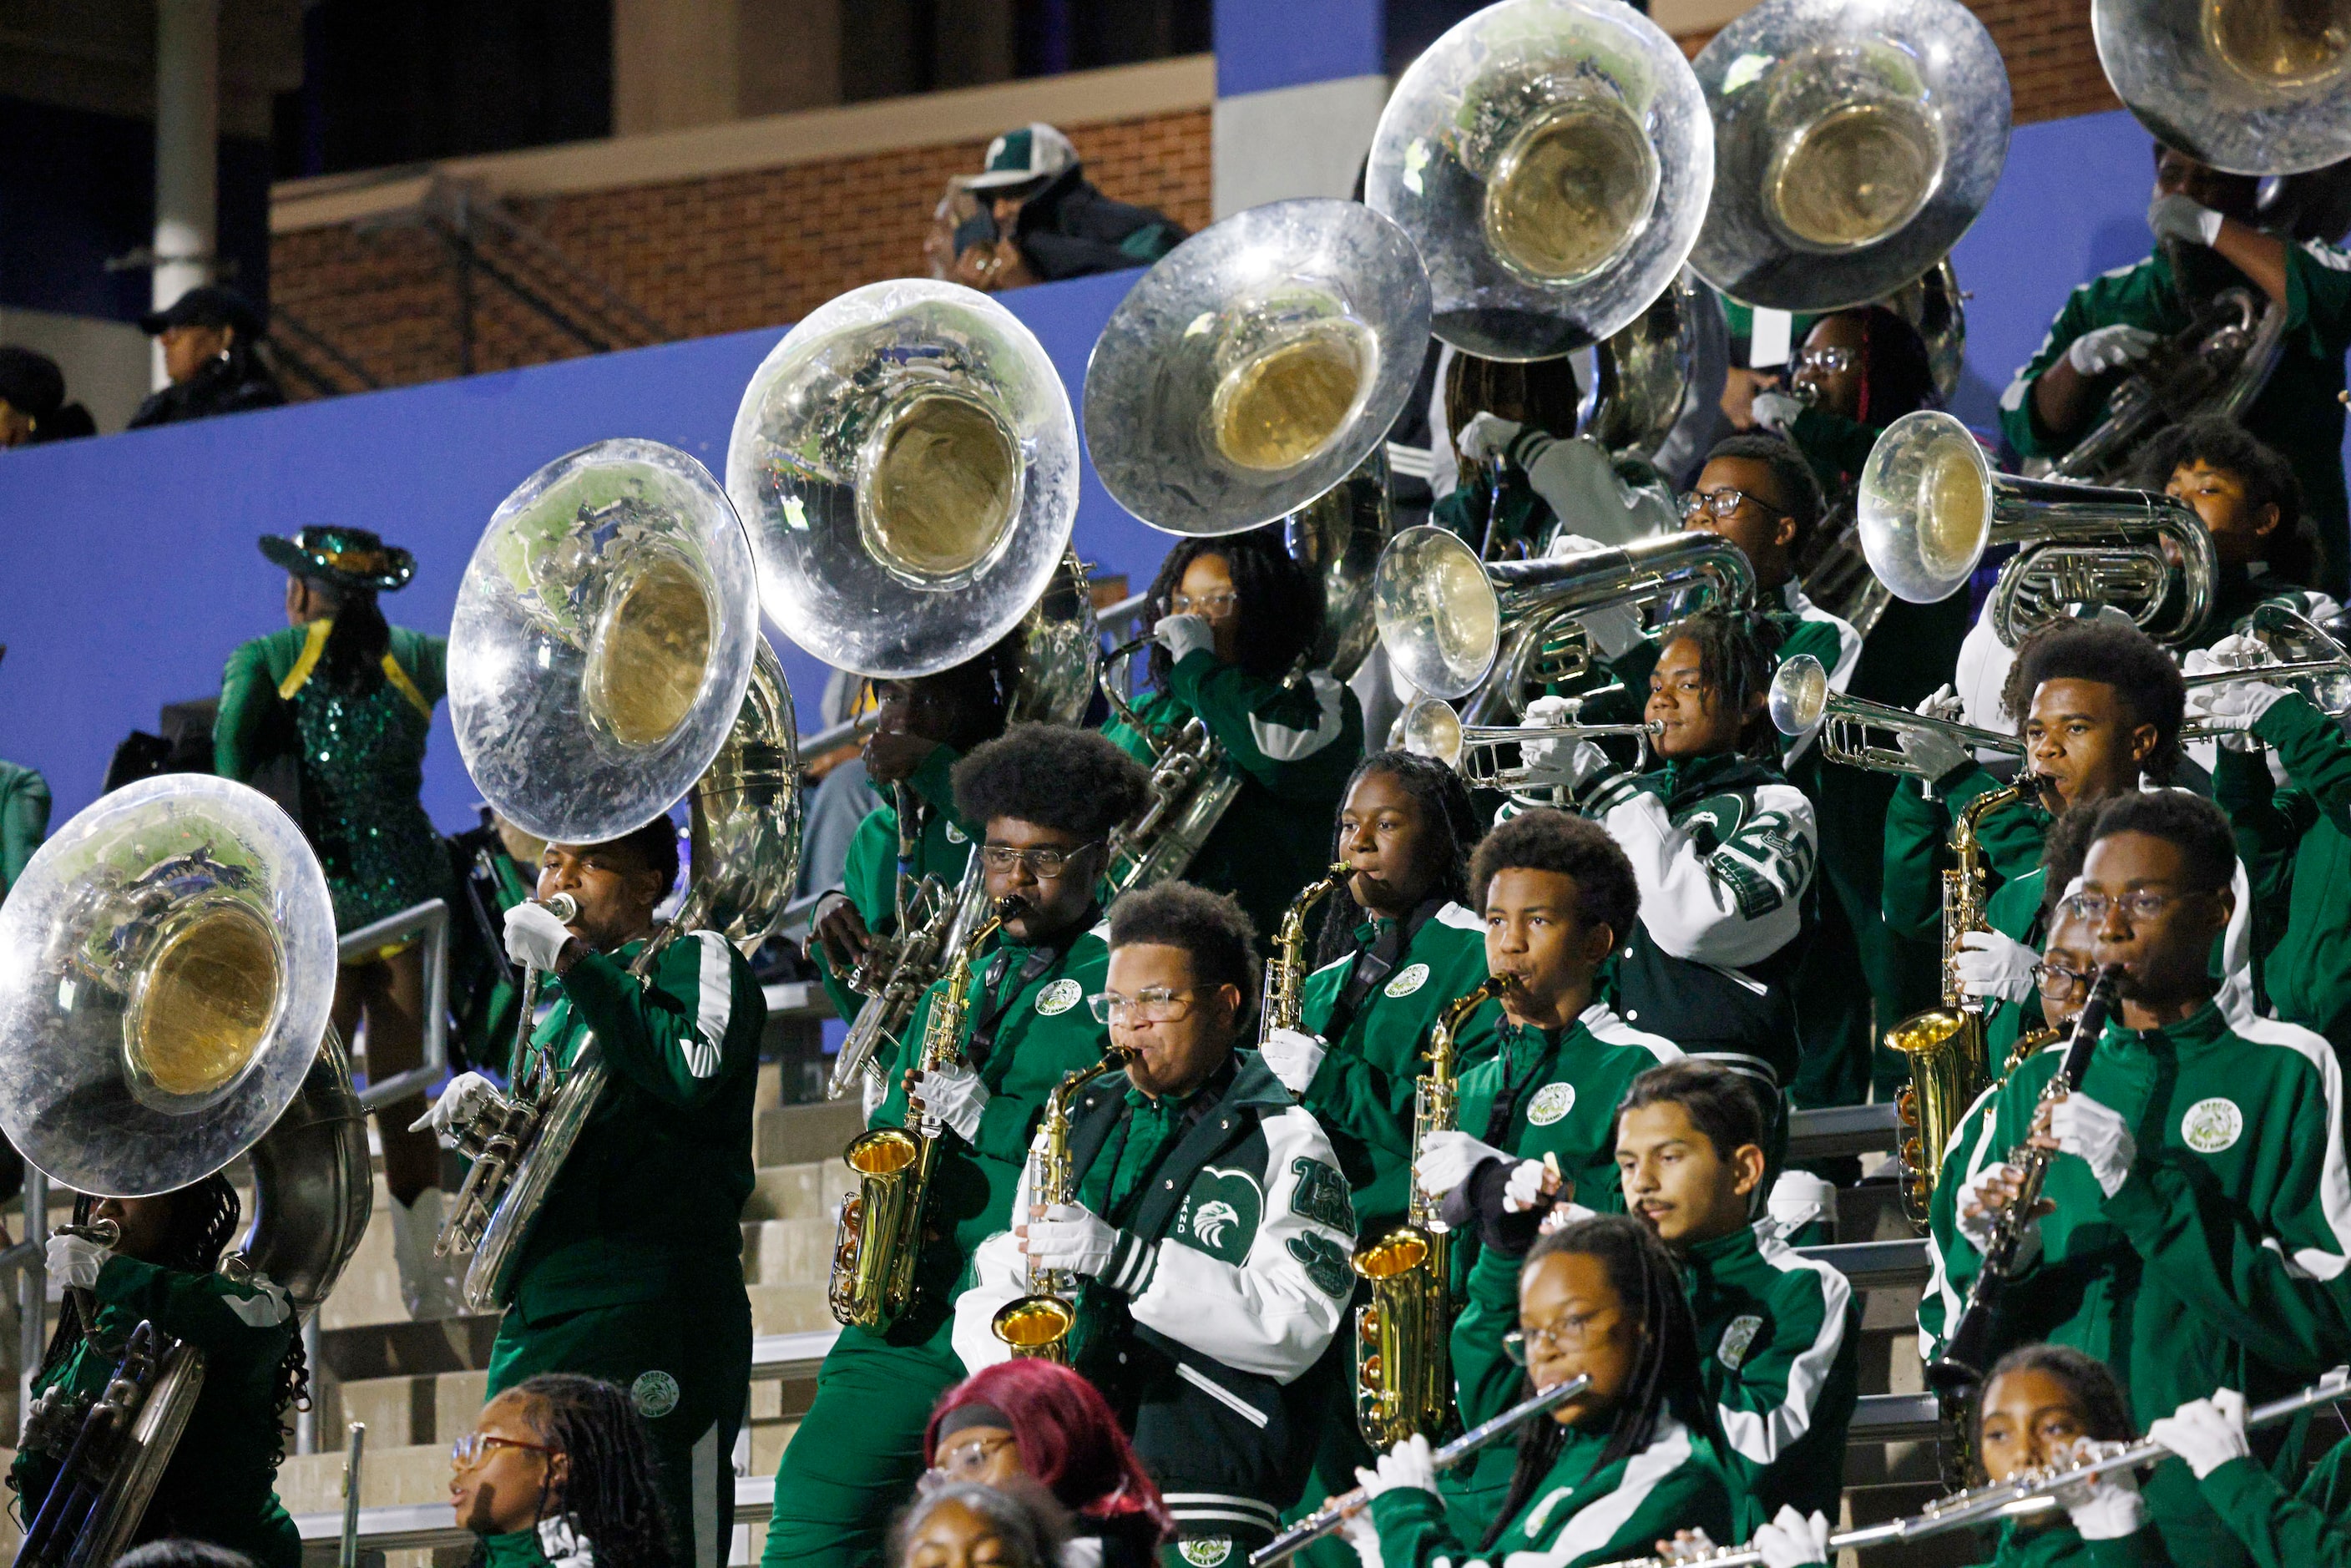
column 2322, row 673
column 1801, row 699
column 1431, row 728
column 2026, row 1493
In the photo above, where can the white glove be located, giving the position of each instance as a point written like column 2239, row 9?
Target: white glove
column 1931, row 752
column 2106, row 1509
column 76, row 1260
column 1447, row 1159
column 1183, row 634
column 1777, row 411
column 459, row 1103
column 1487, row 435
column 2234, row 651
column 2235, row 704
column 1292, row 1056
column 1560, row 760
column 1799, row 1199
column 2096, row 1137
column 1992, row 965
column 1071, row 1238
column 535, row 937
column 1409, row 1464
column 564, row 1546
column 1523, row 1188
column 955, row 1095
column 1943, row 702
column 2109, row 349
column 2207, row 1433
column 1790, row 1540
column 1976, row 1219
column 2176, row 216
column 1361, row 1533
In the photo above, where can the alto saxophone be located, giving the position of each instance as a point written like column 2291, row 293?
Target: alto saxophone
column 879, row 1238
column 893, row 978
column 1282, row 1004
column 1404, row 1362
column 1945, row 1044
column 1038, row 1323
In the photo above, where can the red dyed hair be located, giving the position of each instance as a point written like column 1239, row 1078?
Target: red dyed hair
column 1066, row 1436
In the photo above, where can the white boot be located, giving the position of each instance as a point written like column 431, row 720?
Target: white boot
column 431, row 1287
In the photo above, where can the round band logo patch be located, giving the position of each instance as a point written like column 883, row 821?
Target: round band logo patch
column 1205, row 1554
column 1060, row 998
column 2212, row 1125
column 1552, row 1101
column 1408, row 980
column 654, row 1393
column 1736, row 1339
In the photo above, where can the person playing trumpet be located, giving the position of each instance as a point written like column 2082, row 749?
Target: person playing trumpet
column 2194, row 1204
column 1045, row 798
column 632, row 1271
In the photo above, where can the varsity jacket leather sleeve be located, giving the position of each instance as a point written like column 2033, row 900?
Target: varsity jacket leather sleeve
column 1734, row 906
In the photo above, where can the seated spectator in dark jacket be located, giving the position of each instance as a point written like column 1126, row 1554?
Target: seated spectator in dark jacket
column 209, row 336
column 32, row 407
column 1039, row 219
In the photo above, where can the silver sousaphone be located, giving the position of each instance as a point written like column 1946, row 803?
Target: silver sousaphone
column 167, row 969
column 1855, row 140
column 2254, row 87
column 1552, row 160
column 605, row 660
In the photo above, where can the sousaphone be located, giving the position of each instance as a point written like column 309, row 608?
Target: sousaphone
column 2253, row 87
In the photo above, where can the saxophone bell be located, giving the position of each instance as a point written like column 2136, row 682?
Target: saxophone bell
column 1038, row 1325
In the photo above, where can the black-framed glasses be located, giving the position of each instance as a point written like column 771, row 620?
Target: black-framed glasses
column 475, row 1447
column 1044, row 864
column 2140, row 903
column 1215, row 606
column 1828, row 361
column 2059, row 979
column 1723, row 502
column 1154, row 1004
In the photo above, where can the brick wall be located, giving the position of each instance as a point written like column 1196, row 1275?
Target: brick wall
column 722, row 253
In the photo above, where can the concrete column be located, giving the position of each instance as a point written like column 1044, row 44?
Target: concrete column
column 1299, row 89
column 187, row 138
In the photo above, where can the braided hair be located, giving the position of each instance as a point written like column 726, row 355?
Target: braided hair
column 613, row 1489
column 1443, row 802
column 1734, row 658
column 1665, row 1382
column 1281, row 606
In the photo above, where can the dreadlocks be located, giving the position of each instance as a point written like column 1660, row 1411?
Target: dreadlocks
column 1734, row 659
column 1664, row 1381
column 613, row 1490
column 1443, row 802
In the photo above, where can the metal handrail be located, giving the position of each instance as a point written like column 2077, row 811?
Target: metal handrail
column 432, row 918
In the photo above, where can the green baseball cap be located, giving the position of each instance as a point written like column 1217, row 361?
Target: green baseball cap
column 1017, row 157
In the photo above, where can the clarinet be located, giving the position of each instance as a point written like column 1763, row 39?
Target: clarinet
column 1967, row 1352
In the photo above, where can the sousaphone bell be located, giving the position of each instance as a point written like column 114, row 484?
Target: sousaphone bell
column 2253, row 87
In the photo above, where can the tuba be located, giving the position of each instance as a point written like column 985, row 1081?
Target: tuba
column 1929, row 504
column 1038, row 1323
column 1552, row 161
column 1656, row 382
column 1453, row 625
column 605, row 659
column 880, row 1237
column 2216, row 365
column 164, row 1011
column 1854, row 142
column 2254, row 87
column 1404, row 1360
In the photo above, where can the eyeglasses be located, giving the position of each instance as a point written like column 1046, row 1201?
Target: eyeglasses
column 1567, row 1333
column 1723, row 503
column 1155, row 1005
column 2059, row 981
column 2142, row 904
column 969, row 1461
column 1043, row 865
column 1215, row 606
column 1828, row 361
column 475, row 1447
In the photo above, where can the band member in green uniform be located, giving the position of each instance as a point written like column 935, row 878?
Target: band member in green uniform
column 2199, row 1199
column 632, row 1269
column 1611, row 1472
column 2203, row 222
column 1211, row 1231
column 330, row 717
column 1237, row 617
column 558, row 1472
column 1045, row 797
column 925, row 726
column 2309, row 1527
column 2250, row 503
column 1780, row 1334
column 219, row 1486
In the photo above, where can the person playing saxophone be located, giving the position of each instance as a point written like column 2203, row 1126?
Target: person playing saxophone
column 632, row 1271
column 1211, row 1231
column 1045, row 797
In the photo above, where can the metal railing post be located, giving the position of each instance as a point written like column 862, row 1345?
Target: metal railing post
column 33, row 1290
column 306, row 1422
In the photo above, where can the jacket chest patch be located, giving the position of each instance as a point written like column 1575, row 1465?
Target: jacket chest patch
column 1408, row 980
column 1737, row 1339
column 1220, row 1214
column 1713, row 821
column 957, row 835
column 1060, row 998
column 1551, row 1102
column 1205, row 1552
column 2212, row 1125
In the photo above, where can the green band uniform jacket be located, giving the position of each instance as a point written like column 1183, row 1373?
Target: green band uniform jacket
column 2057, row 1544
column 869, row 875
column 2220, row 1259
column 2305, row 1528
column 2295, row 843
